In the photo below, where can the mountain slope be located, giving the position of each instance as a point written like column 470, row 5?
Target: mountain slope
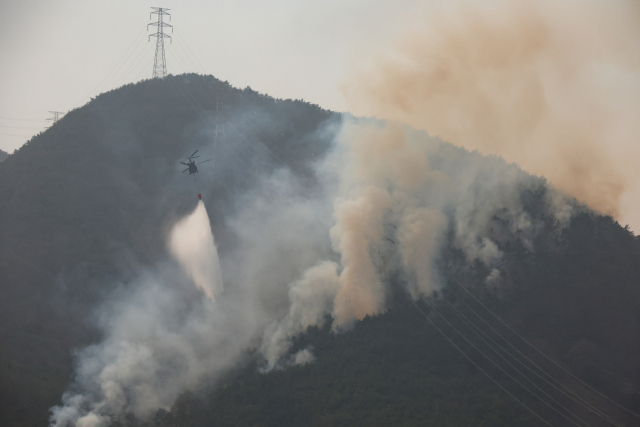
column 397, row 368
column 87, row 202
column 87, row 206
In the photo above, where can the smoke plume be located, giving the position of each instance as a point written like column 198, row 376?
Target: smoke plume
column 386, row 199
column 161, row 335
column 553, row 87
column 398, row 196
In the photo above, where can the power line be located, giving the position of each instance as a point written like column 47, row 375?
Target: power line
column 159, row 62
column 22, row 120
column 19, row 127
column 476, row 365
column 182, row 41
column 559, row 387
column 248, row 129
column 215, row 137
column 199, row 110
column 260, row 137
column 496, row 364
column 116, row 68
column 477, row 331
column 11, row 134
column 542, row 353
column 192, row 101
column 551, row 332
column 133, row 66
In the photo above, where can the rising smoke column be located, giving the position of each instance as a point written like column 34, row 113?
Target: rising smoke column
column 554, row 87
column 385, row 180
column 381, row 177
column 400, row 196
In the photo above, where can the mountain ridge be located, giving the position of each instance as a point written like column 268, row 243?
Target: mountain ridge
column 88, row 203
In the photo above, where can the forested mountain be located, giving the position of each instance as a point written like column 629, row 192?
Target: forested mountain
column 88, row 201
column 576, row 302
column 3, row 155
column 88, row 204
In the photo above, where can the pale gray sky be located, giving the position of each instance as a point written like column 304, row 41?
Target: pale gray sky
column 56, row 55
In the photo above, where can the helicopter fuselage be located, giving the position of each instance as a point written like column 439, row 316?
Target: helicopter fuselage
column 192, row 168
column 191, row 164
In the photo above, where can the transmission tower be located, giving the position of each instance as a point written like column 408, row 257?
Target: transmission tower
column 56, row 116
column 159, row 63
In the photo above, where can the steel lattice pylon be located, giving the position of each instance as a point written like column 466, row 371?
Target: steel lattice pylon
column 56, row 116
column 159, row 62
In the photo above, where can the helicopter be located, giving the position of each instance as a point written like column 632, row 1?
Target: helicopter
column 191, row 165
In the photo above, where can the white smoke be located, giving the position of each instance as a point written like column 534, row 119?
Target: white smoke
column 311, row 299
column 303, row 357
column 387, row 199
column 161, row 336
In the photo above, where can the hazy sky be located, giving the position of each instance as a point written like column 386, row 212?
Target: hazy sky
column 575, row 64
column 56, row 55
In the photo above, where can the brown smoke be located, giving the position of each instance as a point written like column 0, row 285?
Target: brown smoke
column 546, row 87
column 383, row 177
column 361, row 292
